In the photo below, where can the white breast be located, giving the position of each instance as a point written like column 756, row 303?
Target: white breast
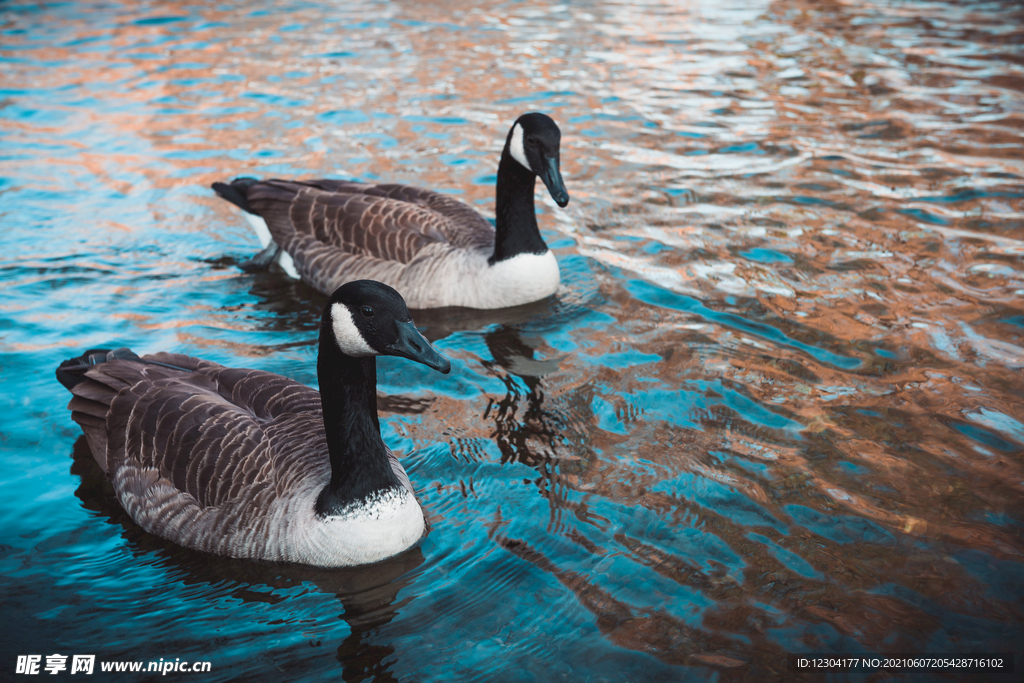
column 465, row 278
column 518, row 280
column 375, row 530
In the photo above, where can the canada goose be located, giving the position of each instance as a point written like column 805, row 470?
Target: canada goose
column 434, row 249
column 255, row 465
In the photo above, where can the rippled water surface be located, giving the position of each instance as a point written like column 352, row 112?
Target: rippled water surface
column 776, row 406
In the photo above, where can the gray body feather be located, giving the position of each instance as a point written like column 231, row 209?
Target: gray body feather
column 229, row 461
column 433, row 249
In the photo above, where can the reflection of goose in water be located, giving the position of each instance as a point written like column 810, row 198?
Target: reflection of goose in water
column 514, row 357
column 438, row 323
column 549, row 435
column 368, row 594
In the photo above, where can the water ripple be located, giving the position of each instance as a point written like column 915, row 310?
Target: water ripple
column 775, row 406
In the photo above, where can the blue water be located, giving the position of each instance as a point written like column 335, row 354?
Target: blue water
column 774, row 408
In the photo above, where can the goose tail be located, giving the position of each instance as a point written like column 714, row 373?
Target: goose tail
column 90, row 403
column 71, row 372
column 99, row 376
column 236, row 192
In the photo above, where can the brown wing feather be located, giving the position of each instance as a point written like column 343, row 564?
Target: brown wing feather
column 199, row 453
column 396, row 223
column 211, row 432
column 464, row 227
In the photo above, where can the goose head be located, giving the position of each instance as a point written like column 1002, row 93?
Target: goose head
column 367, row 318
column 534, row 142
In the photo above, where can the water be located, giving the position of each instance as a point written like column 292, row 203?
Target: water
column 776, row 407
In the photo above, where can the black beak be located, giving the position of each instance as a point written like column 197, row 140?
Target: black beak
column 412, row 345
column 552, row 177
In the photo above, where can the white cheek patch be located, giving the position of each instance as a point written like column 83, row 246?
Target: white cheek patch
column 515, row 147
column 349, row 339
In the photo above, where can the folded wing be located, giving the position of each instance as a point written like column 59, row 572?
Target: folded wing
column 198, row 453
column 394, row 223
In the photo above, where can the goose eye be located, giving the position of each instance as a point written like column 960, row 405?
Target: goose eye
column 366, row 311
column 532, row 140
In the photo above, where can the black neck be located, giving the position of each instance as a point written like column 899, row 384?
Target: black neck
column 516, row 230
column 359, row 462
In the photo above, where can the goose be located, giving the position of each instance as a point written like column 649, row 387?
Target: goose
column 435, row 250
column 253, row 465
